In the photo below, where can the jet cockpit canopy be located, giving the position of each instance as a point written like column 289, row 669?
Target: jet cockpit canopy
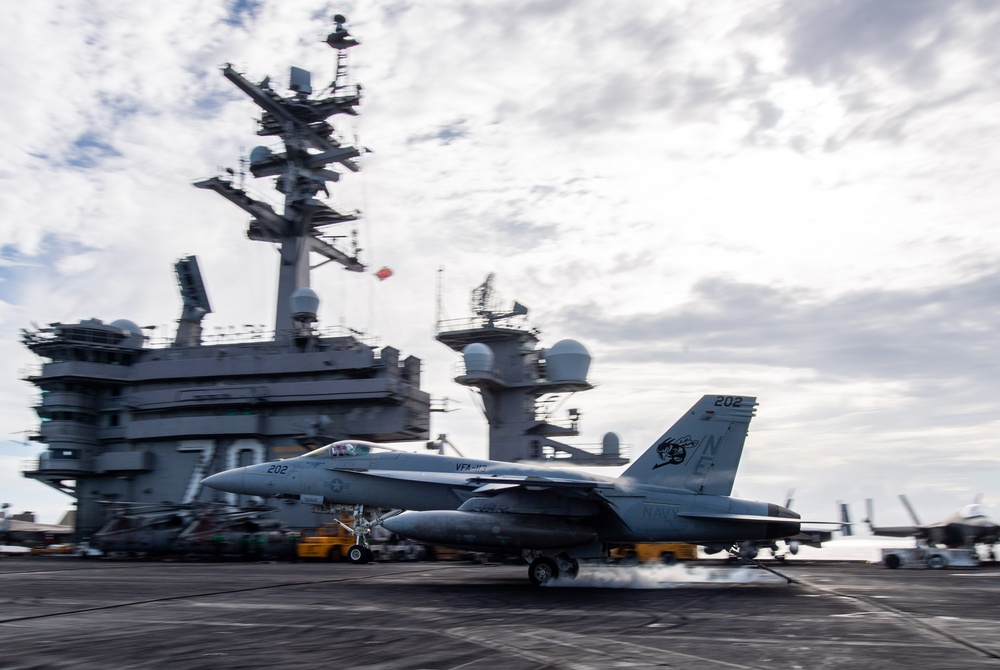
column 344, row 448
column 972, row 511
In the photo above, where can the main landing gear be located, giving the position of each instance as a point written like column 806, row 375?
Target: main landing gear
column 362, row 531
column 544, row 569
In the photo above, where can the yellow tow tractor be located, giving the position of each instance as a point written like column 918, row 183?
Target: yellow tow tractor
column 331, row 542
column 666, row 553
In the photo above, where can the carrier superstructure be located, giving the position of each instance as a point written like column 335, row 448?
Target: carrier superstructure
column 130, row 420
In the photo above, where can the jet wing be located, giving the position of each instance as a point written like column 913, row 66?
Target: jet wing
column 535, row 483
column 448, row 478
column 480, row 483
column 895, row 531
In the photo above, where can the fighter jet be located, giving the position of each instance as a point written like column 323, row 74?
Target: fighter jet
column 964, row 529
column 677, row 490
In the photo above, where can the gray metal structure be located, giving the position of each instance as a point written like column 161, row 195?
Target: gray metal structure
column 127, row 420
column 522, row 384
column 301, row 169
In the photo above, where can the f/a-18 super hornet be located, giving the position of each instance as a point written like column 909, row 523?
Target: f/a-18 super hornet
column 677, row 490
column 964, row 529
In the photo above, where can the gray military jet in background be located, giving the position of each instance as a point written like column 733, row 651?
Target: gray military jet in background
column 964, row 529
column 677, row 490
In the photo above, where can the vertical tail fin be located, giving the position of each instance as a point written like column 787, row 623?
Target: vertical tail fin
column 845, row 520
column 702, row 450
column 909, row 508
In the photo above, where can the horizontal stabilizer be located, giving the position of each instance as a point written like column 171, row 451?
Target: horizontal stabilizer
column 811, row 538
column 749, row 518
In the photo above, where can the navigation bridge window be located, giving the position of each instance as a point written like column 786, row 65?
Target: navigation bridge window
column 346, row 448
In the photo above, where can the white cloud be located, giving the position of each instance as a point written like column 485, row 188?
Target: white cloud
column 789, row 200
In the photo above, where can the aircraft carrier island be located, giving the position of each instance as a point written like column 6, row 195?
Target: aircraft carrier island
column 130, row 421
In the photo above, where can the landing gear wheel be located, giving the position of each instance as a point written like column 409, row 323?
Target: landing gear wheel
column 359, row 554
column 571, row 568
column 542, row 570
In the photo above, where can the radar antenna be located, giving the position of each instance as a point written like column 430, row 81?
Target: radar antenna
column 486, row 303
column 313, row 155
column 195, row 300
column 484, row 298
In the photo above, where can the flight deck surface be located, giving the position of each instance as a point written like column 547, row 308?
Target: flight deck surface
column 70, row 613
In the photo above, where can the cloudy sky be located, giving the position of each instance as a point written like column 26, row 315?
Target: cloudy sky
column 790, row 200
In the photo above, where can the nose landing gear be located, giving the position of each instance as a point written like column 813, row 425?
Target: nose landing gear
column 362, row 530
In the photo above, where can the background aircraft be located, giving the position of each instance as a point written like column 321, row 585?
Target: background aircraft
column 19, row 535
column 964, row 529
column 678, row 490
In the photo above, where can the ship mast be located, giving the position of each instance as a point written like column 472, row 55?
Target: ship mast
column 301, row 171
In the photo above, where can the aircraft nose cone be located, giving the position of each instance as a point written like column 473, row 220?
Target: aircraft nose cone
column 230, row 481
